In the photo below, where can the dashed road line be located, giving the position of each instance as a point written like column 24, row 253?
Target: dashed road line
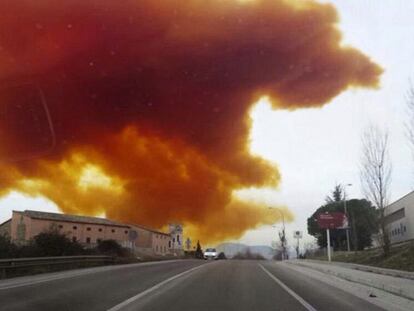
column 152, row 289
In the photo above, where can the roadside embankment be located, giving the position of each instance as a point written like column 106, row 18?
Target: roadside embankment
column 393, row 281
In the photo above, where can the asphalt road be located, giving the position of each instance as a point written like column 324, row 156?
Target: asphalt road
column 178, row 285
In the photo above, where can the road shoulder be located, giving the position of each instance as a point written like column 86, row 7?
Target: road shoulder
column 383, row 299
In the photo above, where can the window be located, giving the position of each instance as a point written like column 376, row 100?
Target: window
column 126, row 231
column 74, row 239
column 100, row 229
column 178, row 238
column 405, row 229
column 74, row 227
column 399, row 231
column 113, row 230
column 88, row 229
column 169, row 244
column 88, row 240
column 60, row 226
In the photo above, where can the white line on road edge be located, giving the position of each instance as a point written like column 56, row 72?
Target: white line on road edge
column 149, row 290
column 291, row 292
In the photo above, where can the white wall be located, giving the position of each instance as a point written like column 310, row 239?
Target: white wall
column 402, row 229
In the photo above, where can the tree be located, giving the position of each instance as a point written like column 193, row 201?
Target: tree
column 7, row 248
column 363, row 220
column 410, row 122
column 199, row 252
column 55, row 243
column 221, row 255
column 337, row 195
column 376, row 176
column 247, row 254
column 283, row 243
column 110, row 248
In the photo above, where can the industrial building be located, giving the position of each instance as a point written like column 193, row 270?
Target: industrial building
column 399, row 219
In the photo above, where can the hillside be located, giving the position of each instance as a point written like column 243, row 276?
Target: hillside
column 231, row 249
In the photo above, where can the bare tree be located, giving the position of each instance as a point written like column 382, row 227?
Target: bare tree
column 376, row 176
column 283, row 243
column 410, row 121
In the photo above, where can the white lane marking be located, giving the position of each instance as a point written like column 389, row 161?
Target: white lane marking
column 291, row 292
column 72, row 274
column 151, row 289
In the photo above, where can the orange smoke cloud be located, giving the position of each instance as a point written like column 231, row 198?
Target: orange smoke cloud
column 150, row 101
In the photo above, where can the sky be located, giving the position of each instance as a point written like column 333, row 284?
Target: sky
column 321, row 147
column 317, row 148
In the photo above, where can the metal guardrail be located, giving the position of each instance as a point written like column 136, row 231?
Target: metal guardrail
column 15, row 266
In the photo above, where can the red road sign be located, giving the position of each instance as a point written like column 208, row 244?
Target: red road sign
column 332, row 220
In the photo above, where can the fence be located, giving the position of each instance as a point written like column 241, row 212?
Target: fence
column 24, row 266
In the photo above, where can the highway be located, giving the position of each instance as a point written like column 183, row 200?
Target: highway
column 178, row 285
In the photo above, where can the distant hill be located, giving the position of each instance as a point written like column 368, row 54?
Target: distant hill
column 231, row 249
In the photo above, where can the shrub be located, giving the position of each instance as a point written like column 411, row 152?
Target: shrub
column 7, row 248
column 112, row 248
column 53, row 243
column 221, row 255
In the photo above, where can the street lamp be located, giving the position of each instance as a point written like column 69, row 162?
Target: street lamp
column 346, row 214
column 283, row 237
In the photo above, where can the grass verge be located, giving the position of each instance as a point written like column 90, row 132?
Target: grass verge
column 400, row 258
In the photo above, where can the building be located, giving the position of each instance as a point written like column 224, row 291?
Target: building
column 399, row 219
column 88, row 231
column 151, row 242
column 176, row 242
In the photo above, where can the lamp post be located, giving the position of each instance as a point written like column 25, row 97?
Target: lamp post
column 346, row 214
column 283, row 237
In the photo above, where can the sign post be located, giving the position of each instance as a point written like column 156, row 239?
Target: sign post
column 332, row 220
column 328, row 240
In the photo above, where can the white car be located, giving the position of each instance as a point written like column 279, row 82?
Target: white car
column 210, row 253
